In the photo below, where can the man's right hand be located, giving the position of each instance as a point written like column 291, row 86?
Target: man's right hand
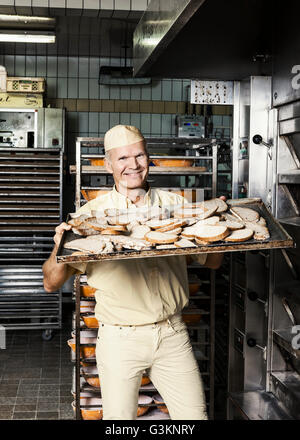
column 59, row 232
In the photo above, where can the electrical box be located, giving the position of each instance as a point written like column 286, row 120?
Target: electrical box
column 190, row 126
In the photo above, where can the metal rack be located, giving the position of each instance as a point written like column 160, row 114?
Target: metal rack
column 202, row 334
column 30, row 208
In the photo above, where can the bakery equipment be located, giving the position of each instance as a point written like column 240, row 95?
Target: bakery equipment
column 31, row 182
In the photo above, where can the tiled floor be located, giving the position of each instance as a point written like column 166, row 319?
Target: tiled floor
column 36, row 375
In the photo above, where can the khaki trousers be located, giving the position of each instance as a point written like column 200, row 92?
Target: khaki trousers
column 165, row 351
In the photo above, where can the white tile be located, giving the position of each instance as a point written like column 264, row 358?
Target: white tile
column 73, row 66
column 146, row 92
column 123, row 5
column 57, row 3
column 51, row 87
column 52, row 66
column 30, row 65
column 166, row 90
column 103, row 123
column 114, row 119
column 125, row 118
column 106, row 4
column 94, row 67
column 145, row 124
column 125, row 92
column 91, row 4
column 135, row 120
column 83, row 121
column 103, row 92
column 138, row 5
column 22, row 2
column 83, row 67
column 40, row 3
column 20, row 66
column 93, row 122
column 176, row 90
column 72, row 88
column 114, row 92
column 93, row 89
column 62, row 67
column 62, row 91
column 166, row 125
column 156, row 90
column 9, row 63
column 83, row 88
column 135, row 92
column 41, row 66
column 155, row 125
column 74, row 4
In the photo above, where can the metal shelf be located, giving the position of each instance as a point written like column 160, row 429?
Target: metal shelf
column 259, row 405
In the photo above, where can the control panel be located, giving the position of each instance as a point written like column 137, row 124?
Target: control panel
column 190, row 126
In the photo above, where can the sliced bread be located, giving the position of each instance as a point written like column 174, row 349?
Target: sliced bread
column 246, row 214
column 161, row 237
column 176, row 223
column 211, row 233
column 139, row 231
column 184, row 242
column 260, row 232
column 194, row 212
column 240, row 235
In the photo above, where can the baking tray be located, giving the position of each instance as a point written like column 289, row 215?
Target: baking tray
column 279, row 239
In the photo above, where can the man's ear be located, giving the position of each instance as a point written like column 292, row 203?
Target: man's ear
column 108, row 166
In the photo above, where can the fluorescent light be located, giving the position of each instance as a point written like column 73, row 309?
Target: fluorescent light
column 25, row 37
column 26, row 19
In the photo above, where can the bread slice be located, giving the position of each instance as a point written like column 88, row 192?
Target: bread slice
column 94, row 246
column 211, row 233
column 191, row 231
column 194, row 212
column 94, row 224
column 219, row 203
column 85, row 231
column 140, row 231
column 246, row 214
column 260, row 232
column 161, row 237
column 123, row 219
column 201, row 242
column 232, row 222
column 158, row 224
column 184, row 242
column 111, row 231
column 240, row 235
column 175, row 231
column 176, row 223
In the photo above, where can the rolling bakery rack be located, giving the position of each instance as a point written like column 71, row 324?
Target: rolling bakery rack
column 30, row 207
column 92, row 179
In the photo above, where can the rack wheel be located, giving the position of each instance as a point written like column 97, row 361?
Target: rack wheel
column 47, row 334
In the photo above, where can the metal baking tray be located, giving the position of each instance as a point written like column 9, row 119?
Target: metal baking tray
column 279, row 239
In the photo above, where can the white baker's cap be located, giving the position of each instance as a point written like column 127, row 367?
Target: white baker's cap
column 121, row 136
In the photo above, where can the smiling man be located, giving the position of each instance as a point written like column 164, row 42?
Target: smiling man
column 138, row 301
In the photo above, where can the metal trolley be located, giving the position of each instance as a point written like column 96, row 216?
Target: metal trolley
column 96, row 178
column 31, row 181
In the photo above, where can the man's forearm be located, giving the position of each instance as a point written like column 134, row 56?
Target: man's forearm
column 55, row 274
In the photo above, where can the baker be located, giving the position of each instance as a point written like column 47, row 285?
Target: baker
column 138, row 301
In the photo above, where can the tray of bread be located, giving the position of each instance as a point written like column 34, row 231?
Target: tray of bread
column 192, row 228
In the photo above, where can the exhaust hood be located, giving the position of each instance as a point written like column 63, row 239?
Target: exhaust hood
column 207, row 39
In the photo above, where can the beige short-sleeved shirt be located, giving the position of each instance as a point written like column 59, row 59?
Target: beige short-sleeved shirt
column 137, row 291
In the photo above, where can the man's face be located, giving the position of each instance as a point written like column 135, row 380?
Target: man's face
column 129, row 165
